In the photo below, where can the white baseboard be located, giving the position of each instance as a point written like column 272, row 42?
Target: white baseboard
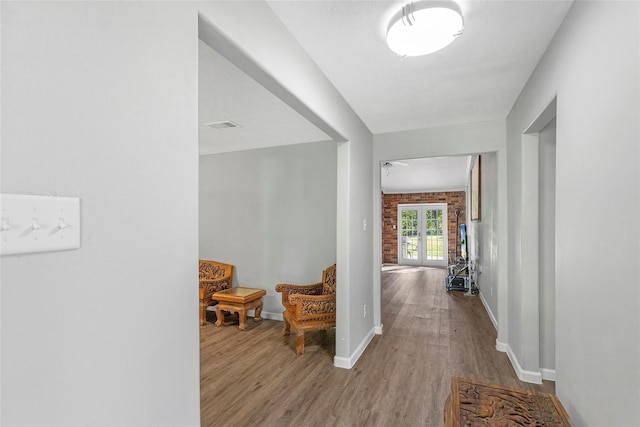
column 342, row 362
column 265, row 314
column 548, row 374
column 349, row 362
column 526, row 376
column 488, row 310
column 272, row 316
column 378, row 329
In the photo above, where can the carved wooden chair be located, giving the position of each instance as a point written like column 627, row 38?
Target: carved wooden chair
column 214, row 276
column 309, row 307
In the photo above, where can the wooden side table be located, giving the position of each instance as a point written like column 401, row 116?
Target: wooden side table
column 239, row 300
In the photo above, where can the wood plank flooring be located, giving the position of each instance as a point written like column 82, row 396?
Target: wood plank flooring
column 402, row 379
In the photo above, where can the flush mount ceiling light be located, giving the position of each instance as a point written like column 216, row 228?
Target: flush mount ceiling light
column 424, row 27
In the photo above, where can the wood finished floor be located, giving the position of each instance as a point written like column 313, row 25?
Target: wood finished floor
column 402, row 379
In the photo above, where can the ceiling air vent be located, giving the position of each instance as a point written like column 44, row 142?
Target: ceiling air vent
column 222, row 125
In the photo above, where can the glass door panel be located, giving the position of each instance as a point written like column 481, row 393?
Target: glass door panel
column 422, row 235
column 434, row 234
column 409, row 236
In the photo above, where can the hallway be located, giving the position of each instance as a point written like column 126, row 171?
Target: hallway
column 402, row 379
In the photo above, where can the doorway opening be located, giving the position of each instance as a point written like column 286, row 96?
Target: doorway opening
column 422, row 202
column 538, row 245
column 438, row 186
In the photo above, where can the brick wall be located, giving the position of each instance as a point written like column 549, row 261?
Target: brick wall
column 390, row 204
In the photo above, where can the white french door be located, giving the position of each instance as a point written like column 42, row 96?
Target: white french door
column 422, row 235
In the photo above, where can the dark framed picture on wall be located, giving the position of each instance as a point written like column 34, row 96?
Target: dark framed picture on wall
column 475, row 190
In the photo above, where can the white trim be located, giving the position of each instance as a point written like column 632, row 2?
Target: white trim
column 489, row 312
column 425, row 190
column 349, row 362
column 544, row 117
column 501, row 346
column 342, row 362
column 272, row 316
column 526, row 376
column 378, row 329
column 548, row 374
column 250, row 313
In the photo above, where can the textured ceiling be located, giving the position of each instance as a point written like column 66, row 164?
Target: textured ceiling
column 425, row 175
column 226, row 93
column 478, row 77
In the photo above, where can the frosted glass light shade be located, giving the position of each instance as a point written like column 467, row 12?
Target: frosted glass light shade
column 424, row 27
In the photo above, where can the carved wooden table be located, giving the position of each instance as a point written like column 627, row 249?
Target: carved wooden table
column 239, row 300
column 473, row 403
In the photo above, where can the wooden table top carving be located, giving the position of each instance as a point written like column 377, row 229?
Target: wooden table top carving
column 474, row 404
column 239, row 294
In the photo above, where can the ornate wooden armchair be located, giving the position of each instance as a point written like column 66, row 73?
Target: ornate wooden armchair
column 214, row 276
column 309, row 307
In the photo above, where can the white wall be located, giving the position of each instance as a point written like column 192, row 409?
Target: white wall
column 270, row 55
column 272, row 214
column 592, row 65
column 548, row 249
column 462, row 139
column 99, row 101
column 483, row 235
